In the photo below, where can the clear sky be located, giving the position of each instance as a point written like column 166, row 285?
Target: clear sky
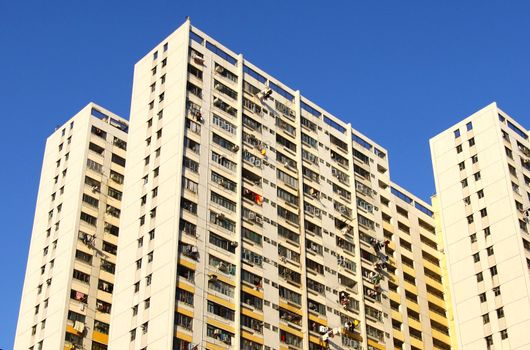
column 399, row 71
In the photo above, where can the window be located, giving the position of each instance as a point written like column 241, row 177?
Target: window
column 222, row 243
column 252, row 236
column 108, row 266
column 80, row 255
column 223, row 161
column 225, row 90
column 509, row 152
column 109, row 248
column 469, row 126
column 226, row 73
column 183, row 321
column 480, row 194
column 477, row 176
column 497, row 291
column 98, row 132
column 289, row 295
column 461, row 165
column 474, row 159
column 493, row 271
column 188, row 205
column 81, row 276
column 480, row 277
column 184, row 297
column 90, row 200
column 287, row 179
column 490, row 251
column 457, row 133
column 95, row 166
column 113, row 211
column 118, row 160
column 288, row 234
column 486, row 318
column 193, row 146
column 476, row 257
column 223, row 181
column 287, row 196
column 288, row 215
column 190, row 185
column 223, row 201
column 96, row 148
column 504, row 334
column 191, row 165
column 116, row 177
column 482, row 297
column 483, row 212
column 224, row 124
column 89, row 219
column 487, row 232
column 221, row 141
column 470, row 219
column 145, row 327
column 221, row 287
column 467, row 200
column 309, row 140
column 471, row 142
column 489, row 341
column 464, row 183
column 500, row 312
column 105, row 286
column 115, row 193
column 220, row 310
column 459, row 149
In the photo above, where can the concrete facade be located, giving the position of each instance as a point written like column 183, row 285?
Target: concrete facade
column 482, row 173
column 70, row 270
column 254, row 219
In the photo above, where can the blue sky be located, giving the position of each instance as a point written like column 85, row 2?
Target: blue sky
column 400, row 72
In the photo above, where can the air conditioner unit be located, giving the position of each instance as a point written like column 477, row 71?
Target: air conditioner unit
column 198, row 60
column 264, row 94
column 219, row 69
column 234, row 244
column 258, row 219
column 218, row 86
column 235, row 148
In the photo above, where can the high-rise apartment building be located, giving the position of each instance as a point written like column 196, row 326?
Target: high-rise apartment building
column 254, row 219
column 66, row 300
column 416, row 287
column 482, row 173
